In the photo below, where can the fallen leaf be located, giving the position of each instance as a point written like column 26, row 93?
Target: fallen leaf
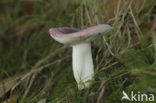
column 11, row 99
column 7, row 84
column 28, row 8
column 42, row 100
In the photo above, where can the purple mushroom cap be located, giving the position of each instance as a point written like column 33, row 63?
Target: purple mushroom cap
column 71, row 36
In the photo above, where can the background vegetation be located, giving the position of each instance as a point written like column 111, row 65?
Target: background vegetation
column 35, row 67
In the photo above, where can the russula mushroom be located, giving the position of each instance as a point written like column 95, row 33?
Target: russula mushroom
column 80, row 41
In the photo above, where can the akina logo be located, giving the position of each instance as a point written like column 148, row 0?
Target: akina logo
column 137, row 96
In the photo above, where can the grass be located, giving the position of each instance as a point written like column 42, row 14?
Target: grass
column 125, row 59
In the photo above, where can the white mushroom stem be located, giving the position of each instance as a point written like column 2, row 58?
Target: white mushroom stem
column 83, row 64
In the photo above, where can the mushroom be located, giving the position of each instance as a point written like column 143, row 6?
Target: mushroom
column 80, row 41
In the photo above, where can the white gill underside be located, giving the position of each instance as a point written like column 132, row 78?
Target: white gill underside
column 82, row 64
